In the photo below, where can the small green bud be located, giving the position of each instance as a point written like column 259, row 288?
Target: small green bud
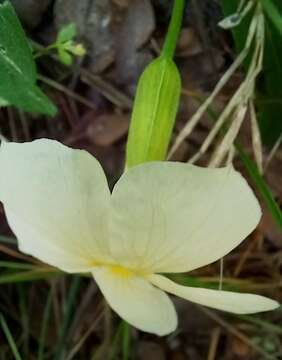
column 155, row 107
column 78, row 50
column 64, row 56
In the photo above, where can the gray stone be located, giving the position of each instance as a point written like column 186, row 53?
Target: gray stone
column 30, row 11
column 135, row 32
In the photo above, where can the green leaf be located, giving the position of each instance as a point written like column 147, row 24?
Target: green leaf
column 67, row 33
column 155, row 107
column 17, row 67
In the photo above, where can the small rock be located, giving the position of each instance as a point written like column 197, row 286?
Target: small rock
column 30, row 11
column 121, row 3
column 135, row 31
column 107, row 129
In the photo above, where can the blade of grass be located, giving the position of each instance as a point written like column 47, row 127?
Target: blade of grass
column 273, row 13
column 261, row 185
column 114, row 346
column 45, row 320
column 29, row 276
column 16, row 265
column 236, row 333
column 84, row 337
column 125, row 340
column 267, row 326
column 9, row 337
column 60, row 348
column 194, row 281
column 24, row 319
column 7, row 240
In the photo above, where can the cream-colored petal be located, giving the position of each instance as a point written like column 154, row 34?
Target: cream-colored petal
column 137, row 301
column 236, row 303
column 45, row 250
column 56, row 201
column 175, row 217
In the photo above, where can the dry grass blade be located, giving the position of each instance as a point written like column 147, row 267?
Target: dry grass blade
column 243, row 258
column 273, row 152
column 189, row 127
column 109, row 91
column 256, row 138
column 239, row 102
column 215, row 337
column 54, row 84
column 7, row 250
column 87, row 333
column 238, row 334
column 228, row 140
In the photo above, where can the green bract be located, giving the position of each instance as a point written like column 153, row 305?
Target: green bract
column 154, row 112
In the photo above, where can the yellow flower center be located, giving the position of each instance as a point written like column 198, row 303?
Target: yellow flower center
column 121, row 271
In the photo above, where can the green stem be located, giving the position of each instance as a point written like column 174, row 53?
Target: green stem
column 45, row 51
column 44, row 327
column 70, row 302
column 10, row 338
column 174, row 29
column 125, row 341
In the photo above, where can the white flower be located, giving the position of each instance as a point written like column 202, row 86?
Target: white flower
column 162, row 217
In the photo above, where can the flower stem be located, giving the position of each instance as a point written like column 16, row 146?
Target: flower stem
column 174, row 29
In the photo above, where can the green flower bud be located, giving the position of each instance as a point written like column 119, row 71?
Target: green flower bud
column 154, row 112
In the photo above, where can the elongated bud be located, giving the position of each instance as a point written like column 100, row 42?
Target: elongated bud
column 155, row 107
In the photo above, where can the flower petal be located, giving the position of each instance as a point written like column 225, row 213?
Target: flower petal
column 175, row 217
column 55, row 200
column 222, row 300
column 137, row 301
